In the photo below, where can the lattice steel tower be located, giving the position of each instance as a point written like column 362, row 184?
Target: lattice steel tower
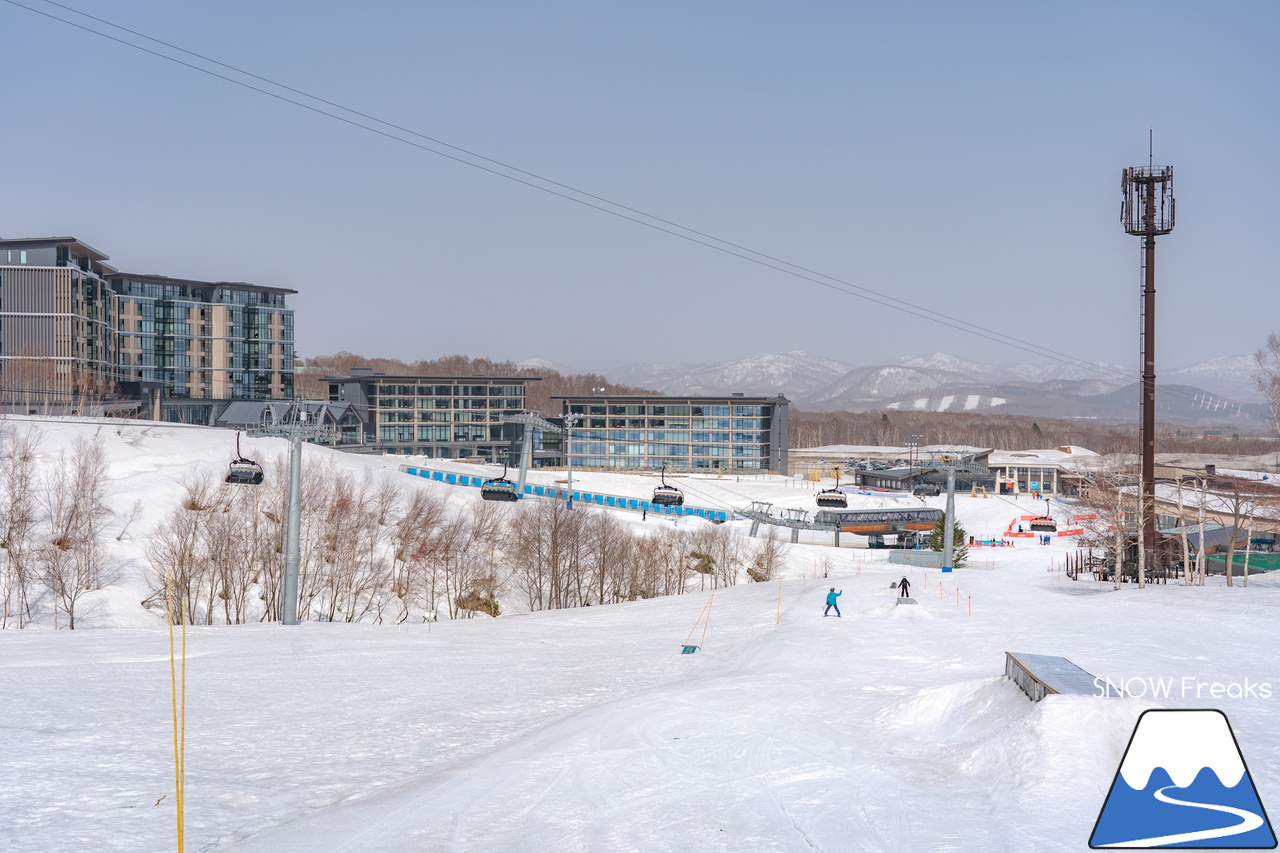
column 1147, row 212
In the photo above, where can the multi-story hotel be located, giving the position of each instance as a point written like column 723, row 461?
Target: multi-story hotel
column 57, row 318
column 685, row 433
column 72, row 324
column 445, row 417
column 205, row 340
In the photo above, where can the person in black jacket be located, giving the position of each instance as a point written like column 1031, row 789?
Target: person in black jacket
column 904, row 587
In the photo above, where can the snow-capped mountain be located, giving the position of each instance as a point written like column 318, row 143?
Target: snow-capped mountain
column 1214, row 392
column 881, row 382
column 543, row 364
column 795, row 374
column 1063, row 370
column 1230, row 376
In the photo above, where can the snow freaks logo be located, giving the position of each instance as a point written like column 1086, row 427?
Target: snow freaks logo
column 1186, row 687
column 1183, row 783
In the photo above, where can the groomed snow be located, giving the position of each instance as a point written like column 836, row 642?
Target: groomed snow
column 888, row 729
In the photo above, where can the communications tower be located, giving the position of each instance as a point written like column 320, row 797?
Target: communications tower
column 1147, row 212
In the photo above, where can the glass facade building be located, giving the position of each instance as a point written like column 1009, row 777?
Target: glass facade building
column 685, row 433
column 70, row 321
column 444, row 417
column 205, row 340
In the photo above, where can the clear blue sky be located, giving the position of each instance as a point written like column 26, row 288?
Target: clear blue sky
column 963, row 156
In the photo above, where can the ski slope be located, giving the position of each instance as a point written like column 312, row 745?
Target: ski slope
column 887, row 729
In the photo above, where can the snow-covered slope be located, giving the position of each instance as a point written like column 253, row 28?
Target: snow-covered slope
column 887, row 729
column 1229, row 376
column 882, row 382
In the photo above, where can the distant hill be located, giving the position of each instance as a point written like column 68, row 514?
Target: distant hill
column 796, row 374
column 1212, row 393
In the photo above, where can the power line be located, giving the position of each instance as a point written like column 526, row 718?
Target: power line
column 587, row 199
column 867, row 293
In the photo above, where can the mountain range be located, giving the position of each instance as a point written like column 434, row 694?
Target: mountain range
column 1217, row 392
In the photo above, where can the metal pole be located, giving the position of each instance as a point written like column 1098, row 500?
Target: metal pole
column 1149, row 381
column 289, row 596
column 569, row 421
column 948, row 524
column 526, row 453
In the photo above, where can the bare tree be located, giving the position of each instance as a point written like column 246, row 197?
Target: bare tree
column 18, row 516
column 414, row 542
column 1182, row 531
column 176, row 552
column 75, row 496
column 768, row 556
column 130, row 518
column 1236, row 500
column 1109, row 493
column 466, row 557
column 1266, row 376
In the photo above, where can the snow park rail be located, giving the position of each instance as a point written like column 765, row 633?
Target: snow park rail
column 591, row 498
column 1040, row 675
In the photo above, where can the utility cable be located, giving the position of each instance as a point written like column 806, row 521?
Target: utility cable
column 590, row 200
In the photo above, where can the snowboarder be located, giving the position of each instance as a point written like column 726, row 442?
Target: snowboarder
column 1019, row 528
column 904, row 588
column 831, row 602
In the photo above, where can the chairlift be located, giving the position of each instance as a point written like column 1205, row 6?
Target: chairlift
column 833, row 498
column 666, row 495
column 244, row 472
column 499, row 488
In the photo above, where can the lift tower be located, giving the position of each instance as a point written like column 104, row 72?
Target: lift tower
column 1147, row 212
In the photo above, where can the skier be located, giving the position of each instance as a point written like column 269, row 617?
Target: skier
column 831, row 602
column 904, row 588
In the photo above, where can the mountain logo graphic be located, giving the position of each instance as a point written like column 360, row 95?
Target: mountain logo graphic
column 1183, row 783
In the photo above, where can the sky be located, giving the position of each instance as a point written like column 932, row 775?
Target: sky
column 963, row 158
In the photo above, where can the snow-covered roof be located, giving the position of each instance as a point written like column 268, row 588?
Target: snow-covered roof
column 852, row 451
column 1069, row 456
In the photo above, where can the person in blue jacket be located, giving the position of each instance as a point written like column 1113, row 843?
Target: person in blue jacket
column 831, row 601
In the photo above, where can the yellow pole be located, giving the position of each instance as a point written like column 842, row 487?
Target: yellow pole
column 182, row 763
column 173, row 701
column 703, row 641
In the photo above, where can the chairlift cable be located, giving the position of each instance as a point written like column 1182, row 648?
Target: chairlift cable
column 650, row 221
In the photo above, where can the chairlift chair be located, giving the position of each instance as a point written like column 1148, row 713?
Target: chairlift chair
column 1044, row 524
column 833, row 498
column 499, row 488
column 243, row 472
column 666, row 495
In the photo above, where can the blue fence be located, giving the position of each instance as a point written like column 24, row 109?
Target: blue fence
column 615, row 501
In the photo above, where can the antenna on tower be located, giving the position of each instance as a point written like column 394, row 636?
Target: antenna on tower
column 1147, row 212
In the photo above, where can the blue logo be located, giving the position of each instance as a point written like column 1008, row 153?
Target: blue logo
column 1183, row 783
